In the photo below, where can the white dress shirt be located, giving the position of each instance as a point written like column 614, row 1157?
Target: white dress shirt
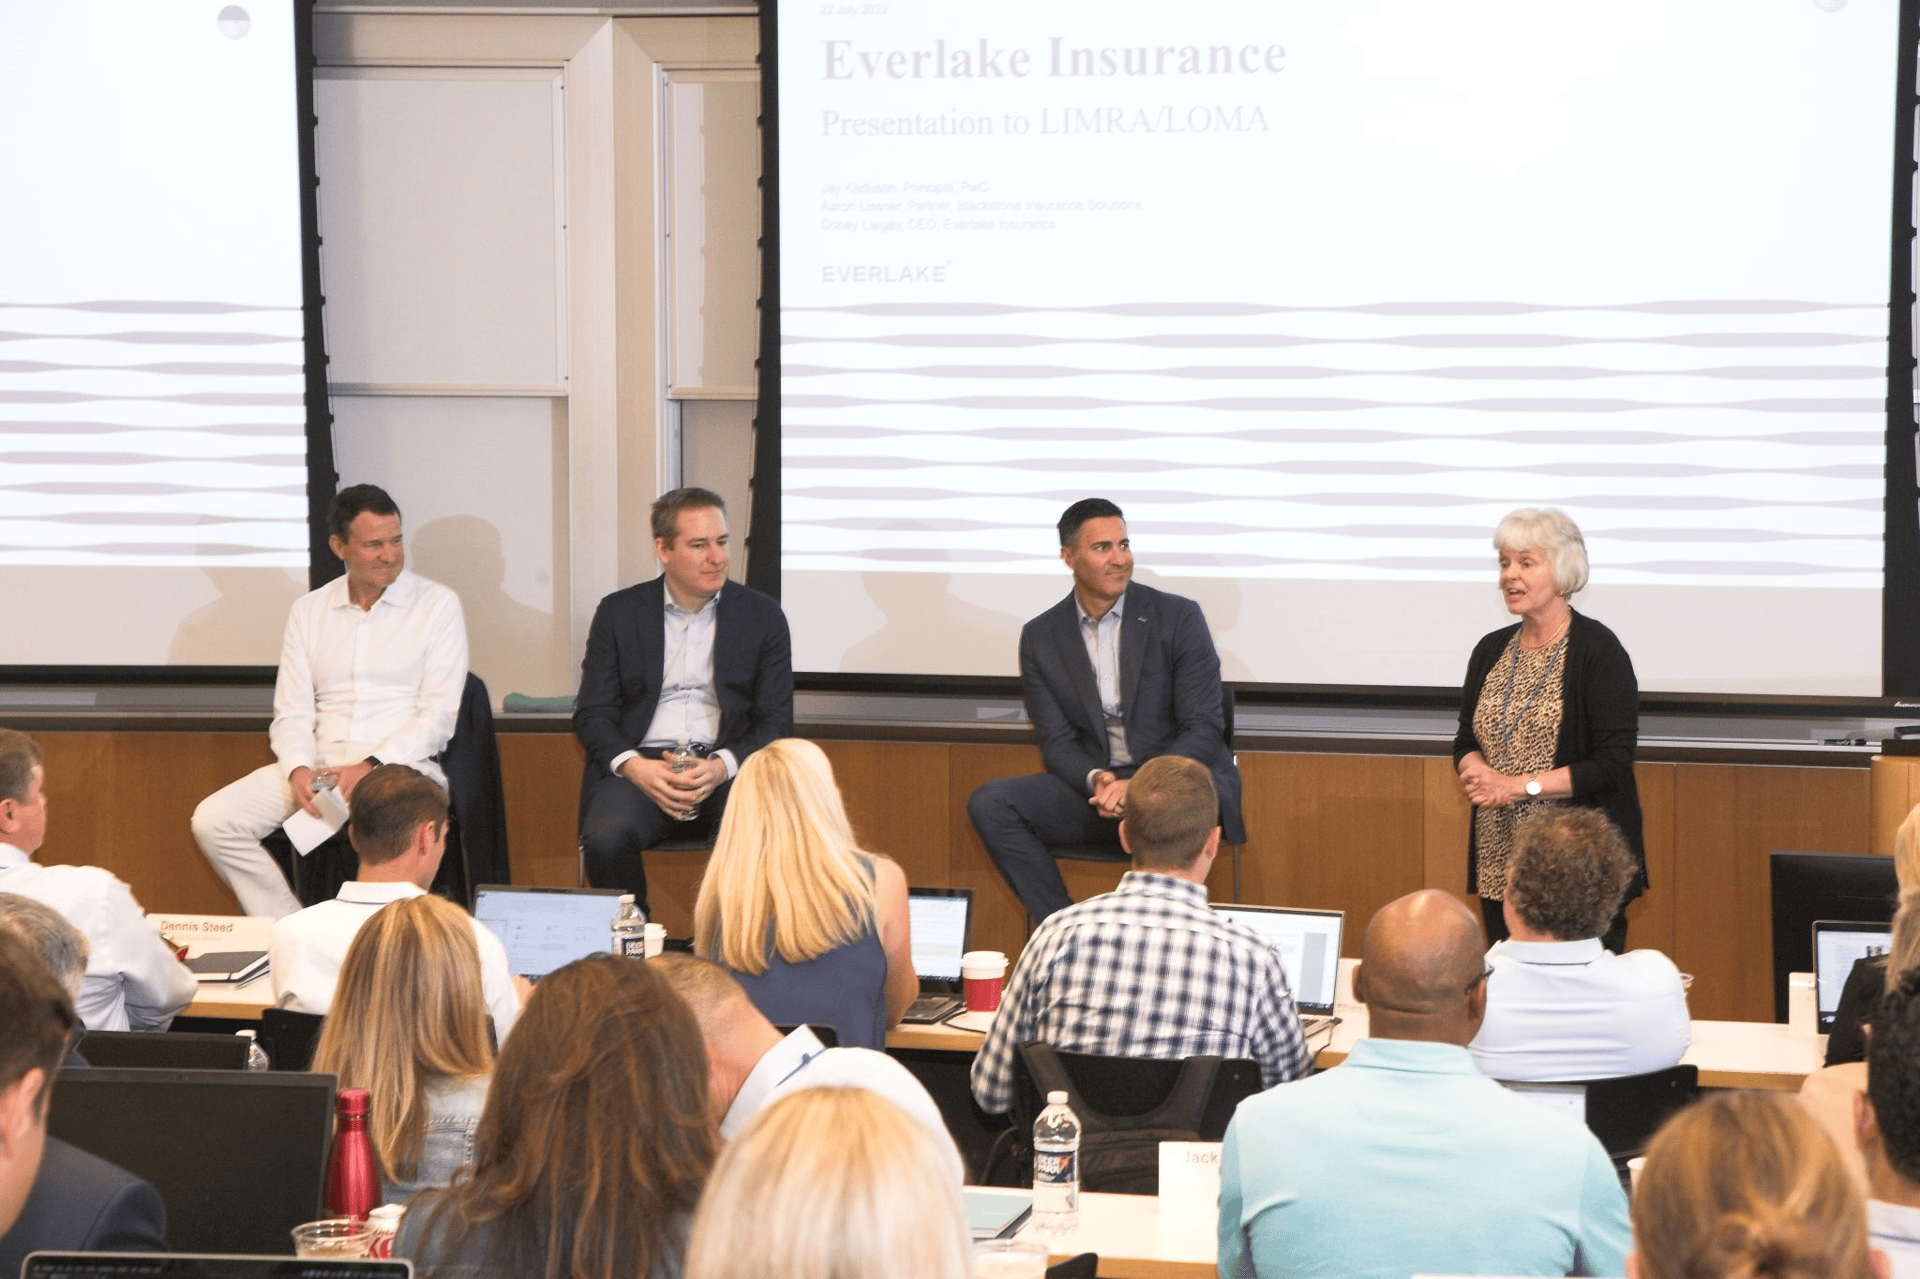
column 689, row 706
column 133, row 982
column 1895, row 1230
column 1575, row 1010
column 383, row 682
column 309, row 946
column 802, row 1061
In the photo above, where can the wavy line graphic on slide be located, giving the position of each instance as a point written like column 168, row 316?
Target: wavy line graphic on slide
column 1164, row 530
column 1270, row 404
column 1230, row 341
column 1323, row 435
column 902, row 555
column 154, row 337
column 176, row 368
column 149, row 307
column 1596, row 501
column 1729, row 306
column 1305, row 372
column 1344, row 466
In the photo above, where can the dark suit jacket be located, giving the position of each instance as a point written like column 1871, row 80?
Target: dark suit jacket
column 80, row 1203
column 621, row 674
column 1599, row 728
column 1169, row 685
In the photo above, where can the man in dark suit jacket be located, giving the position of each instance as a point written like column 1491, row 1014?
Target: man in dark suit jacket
column 80, row 1203
column 1114, row 674
column 687, row 658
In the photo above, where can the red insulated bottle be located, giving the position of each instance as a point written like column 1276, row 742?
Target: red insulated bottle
column 353, row 1179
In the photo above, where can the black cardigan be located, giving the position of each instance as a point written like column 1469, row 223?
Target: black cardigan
column 1599, row 727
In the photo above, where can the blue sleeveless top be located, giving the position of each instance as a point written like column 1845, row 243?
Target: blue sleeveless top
column 846, row 988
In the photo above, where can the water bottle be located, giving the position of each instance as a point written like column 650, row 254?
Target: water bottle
column 629, row 929
column 256, row 1055
column 1056, row 1168
column 680, row 760
column 353, row 1178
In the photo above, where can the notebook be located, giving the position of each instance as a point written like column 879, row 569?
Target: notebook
column 941, row 919
column 1836, row 945
column 184, row 1265
column 1309, row 946
column 547, row 928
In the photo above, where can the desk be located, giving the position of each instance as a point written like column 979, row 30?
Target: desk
column 1133, row 1242
column 1730, row 1054
column 203, row 933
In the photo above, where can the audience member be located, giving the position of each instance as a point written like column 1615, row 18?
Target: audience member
column 1560, row 1005
column 1406, row 1159
column 1148, row 970
column 751, row 1065
column 53, row 1196
column 813, row 928
column 1887, row 1128
column 593, row 1147
column 1874, row 974
column 372, row 669
column 1744, row 1185
column 58, row 943
column 133, row 981
column 831, row 1183
column 409, row 1025
column 688, row 658
column 399, row 830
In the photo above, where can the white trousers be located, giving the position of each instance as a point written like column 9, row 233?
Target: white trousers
column 229, row 825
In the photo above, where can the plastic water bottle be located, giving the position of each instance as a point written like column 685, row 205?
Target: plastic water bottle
column 629, row 929
column 683, row 759
column 1056, row 1168
column 256, row 1055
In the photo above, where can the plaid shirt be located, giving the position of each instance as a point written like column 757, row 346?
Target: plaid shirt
column 1144, row 971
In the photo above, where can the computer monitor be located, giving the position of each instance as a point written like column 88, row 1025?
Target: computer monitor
column 1838, row 944
column 239, row 1158
column 1813, row 886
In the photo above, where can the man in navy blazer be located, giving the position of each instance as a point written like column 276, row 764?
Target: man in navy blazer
column 688, row 658
column 1114, row 674
column 81, row 1203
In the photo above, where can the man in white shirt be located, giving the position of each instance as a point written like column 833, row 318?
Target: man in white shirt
column 133, row 981
column 750, row 1064
column 1887, row 1125
column 371, row 671
column 1559, row 1004
column 399, row 829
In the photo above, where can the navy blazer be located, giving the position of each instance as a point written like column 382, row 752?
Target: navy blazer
column 1169, row 685
column 625, row 663
column 82, row 1203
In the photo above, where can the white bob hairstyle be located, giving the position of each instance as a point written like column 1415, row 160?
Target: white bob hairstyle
column 1551, row 531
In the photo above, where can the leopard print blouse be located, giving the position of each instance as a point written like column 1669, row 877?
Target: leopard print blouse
column 1518, row 723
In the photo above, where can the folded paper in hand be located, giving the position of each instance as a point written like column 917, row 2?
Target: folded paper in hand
column 307, row 833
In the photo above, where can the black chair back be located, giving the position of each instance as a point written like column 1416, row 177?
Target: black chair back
column 289, row 1037
column 147, row 1050
column 827, row 1035
column 1084, row 1266
column 1625, row 1112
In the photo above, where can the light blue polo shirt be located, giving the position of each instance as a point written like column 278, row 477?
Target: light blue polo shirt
column 1405, row 1159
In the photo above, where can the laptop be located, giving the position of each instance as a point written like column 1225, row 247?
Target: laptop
column 1836, row 945
column 185, row 1265
column 1309, row 946
column 941, row 919
column 547, row 928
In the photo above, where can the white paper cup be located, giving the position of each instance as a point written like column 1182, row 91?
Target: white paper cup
column 1634, row 1165
column 983, row 976
column 656, row 939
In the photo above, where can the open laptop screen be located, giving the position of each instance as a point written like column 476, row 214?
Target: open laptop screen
column 547, row 928
column 1309, row 946
column 939, row 917
column 1837, row 944
column 176, row 1265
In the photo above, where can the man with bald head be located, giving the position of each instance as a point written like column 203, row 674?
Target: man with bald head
column 1407, row 1134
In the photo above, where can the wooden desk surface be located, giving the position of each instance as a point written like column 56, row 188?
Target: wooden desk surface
column 203, row 933
column 1133, row 1240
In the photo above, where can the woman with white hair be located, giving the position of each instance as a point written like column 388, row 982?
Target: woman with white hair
column 1549, row 712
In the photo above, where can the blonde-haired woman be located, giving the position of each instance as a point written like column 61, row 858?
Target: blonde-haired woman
column 1745, row 1185
column 1549, row 711
column 409, row 1024
column 814, row 927
column 831, row 1183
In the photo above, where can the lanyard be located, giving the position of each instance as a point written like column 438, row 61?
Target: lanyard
column 1506, row 702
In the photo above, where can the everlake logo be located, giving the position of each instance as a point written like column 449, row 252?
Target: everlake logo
column 892, row 273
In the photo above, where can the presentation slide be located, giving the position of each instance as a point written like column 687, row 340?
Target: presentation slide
column 153, row 476
column 1318, row 292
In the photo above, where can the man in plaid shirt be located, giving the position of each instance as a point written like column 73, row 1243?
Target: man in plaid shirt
column 1147, row 970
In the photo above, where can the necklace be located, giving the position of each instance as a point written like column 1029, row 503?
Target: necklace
column 1507, row 725
column 1548, row 642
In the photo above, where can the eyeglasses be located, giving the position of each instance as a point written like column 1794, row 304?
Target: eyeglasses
column 1477, row 980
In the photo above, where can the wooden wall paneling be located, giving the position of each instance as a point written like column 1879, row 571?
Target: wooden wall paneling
column 1447, row 819
column 541, row 773
column 1650, row 920
column 896, row 795
column 1895, row 787
column 1334, row 832
column 999, row 921
column 124, row 801
column 1727, row 818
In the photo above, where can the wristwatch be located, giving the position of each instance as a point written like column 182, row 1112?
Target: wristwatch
column 1533, row 786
